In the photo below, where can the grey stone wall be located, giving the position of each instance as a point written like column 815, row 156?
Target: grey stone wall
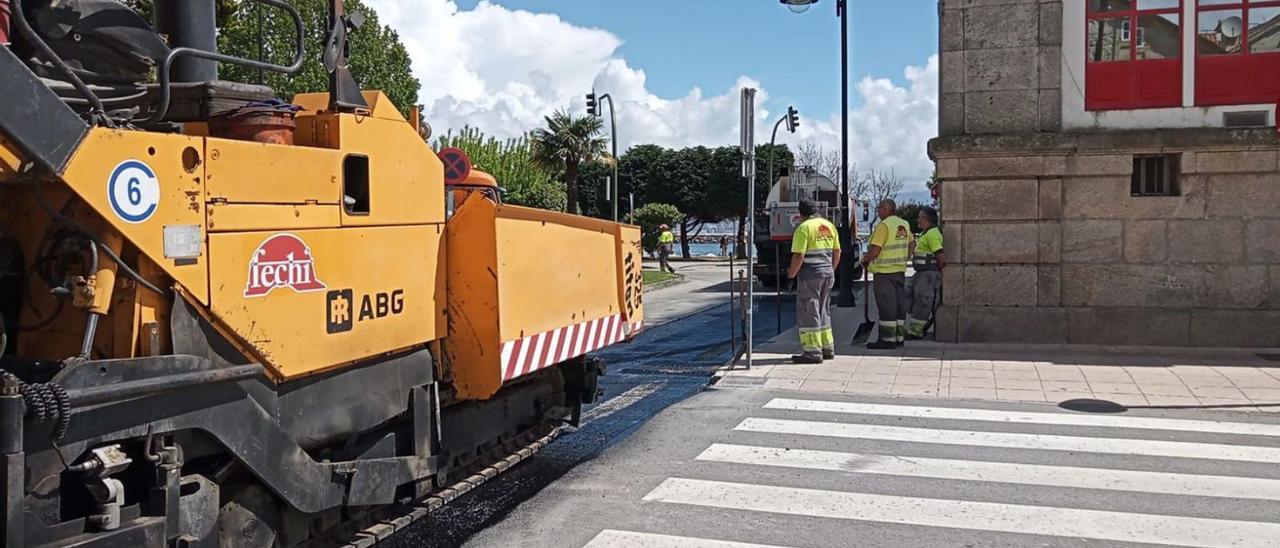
column 1001, row 66
column 1046, row 244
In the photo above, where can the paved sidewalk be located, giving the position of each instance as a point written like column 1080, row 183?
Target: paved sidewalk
column 1229, row 379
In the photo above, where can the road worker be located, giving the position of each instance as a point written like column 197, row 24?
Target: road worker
column 815, row 252
column 886, row 258
column 666, row 243
column 927, row 260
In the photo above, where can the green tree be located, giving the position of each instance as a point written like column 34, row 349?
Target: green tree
column 510, row 162
column 592, row 194
column 379, row 61
column 652, row 216
column 565, row 144
column 909, row 212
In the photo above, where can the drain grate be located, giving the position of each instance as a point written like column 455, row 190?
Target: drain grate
column 1270, row 357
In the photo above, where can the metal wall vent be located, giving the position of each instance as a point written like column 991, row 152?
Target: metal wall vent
column 1246, row 118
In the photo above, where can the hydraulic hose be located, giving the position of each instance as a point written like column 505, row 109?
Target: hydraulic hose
column 44, row 204
column 98, row 111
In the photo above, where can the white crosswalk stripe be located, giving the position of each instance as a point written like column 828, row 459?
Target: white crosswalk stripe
column 1156, row 448
column 1003, row 472
column 959, row 514
column 1205, row 468
column 1026, row 417
column 610, row 538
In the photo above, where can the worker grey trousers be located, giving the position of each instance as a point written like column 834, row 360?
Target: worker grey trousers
column 924, row 290
column 813, row 315
column 891, row 302
column 664, row 257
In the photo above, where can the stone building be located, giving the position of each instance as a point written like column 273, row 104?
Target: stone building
column 1102, row 187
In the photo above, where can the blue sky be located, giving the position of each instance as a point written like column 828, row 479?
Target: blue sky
column 681, row 44
column 675, row 68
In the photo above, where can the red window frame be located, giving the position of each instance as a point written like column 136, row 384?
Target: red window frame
column 1133, row 83
column 1237, row 78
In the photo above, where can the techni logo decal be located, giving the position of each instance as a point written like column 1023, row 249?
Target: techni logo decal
column 283, row 260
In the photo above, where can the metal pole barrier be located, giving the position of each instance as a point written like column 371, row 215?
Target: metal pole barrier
column 749, row 171
column 777, row 258
column 733, row 311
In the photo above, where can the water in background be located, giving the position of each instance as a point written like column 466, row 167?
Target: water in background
column 702, row 250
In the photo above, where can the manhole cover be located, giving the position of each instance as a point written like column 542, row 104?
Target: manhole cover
column 1093, row 406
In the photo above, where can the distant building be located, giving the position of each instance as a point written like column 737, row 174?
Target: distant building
column 1110, row 171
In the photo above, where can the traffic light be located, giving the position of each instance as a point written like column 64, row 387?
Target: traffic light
column 593, row 107
column 793, row 119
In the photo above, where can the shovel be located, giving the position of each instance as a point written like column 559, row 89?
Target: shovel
column 864, row 331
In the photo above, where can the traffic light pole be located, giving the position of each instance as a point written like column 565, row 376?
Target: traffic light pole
column 613, row 131
column 593, row 108
column 846, row 297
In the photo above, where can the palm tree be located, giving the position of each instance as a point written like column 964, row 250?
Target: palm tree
column 565, row 144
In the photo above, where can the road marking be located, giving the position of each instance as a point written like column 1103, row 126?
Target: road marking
column 979, row 516
column 621, row 401
column 1117, row 446
column 1027, row 417
column 610, row 538
column 999, row 472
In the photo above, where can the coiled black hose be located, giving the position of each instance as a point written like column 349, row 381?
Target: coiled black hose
column 45, row 402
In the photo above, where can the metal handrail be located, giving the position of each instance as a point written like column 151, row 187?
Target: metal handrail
column 162, row 107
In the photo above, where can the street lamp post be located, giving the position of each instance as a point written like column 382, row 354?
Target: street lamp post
column 845, row 298
column 593, row 108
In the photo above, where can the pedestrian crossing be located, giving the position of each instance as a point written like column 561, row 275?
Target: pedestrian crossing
column 1002, row 476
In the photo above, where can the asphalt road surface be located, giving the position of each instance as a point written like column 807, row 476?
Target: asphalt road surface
column 750, row 468
column 686, row 339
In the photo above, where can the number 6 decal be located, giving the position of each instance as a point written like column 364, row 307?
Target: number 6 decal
column 134, row 191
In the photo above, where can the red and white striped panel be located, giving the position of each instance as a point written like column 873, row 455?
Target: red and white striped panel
column 524, row 356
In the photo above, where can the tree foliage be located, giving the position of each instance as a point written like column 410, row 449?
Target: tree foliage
column 565, row 145
column 379, row 61
column 652, row 216
column 510, row 162
column 909, row 212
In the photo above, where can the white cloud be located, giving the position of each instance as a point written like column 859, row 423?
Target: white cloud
column 502, row 70
column 891, row 128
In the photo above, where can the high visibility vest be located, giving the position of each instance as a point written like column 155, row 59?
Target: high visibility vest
column 817, row 240
column 927, row 247
column 666, row 237
column 893, row 235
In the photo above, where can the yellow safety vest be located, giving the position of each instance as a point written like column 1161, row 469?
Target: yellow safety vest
column 666, row 237
column 817, row 240
column 893, row 235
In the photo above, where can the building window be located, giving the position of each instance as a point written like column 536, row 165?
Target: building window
column 1134, row 51
column 1237, row 51
column 1155, row 175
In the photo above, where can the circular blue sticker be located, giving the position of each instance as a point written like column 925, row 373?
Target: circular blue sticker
column 134, row 191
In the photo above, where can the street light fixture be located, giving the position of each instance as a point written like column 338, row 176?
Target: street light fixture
column 593, row 108
column 845, row 298
column 799, row 6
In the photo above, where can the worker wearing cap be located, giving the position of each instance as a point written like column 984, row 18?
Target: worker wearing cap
column 927, row 260
column 815, row 252
column 886, row 258
column 666, row 243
